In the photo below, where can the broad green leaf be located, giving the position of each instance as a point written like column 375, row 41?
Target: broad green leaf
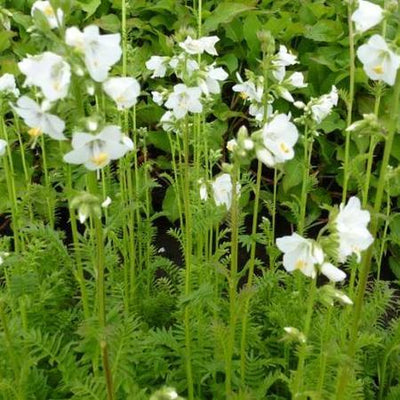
column 293, row 174
column 224, row 13
column 251, row 26
column 324, row 31
column 89, row 6
column 110, row 23
column 170, row 204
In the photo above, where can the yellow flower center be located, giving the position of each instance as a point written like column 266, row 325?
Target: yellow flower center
column 120, row 99
column 243, row 95
column 35, row 132
column 300, row 264
column 48, row 11
column 284, row 148
column 100, row 159
column 378, row 69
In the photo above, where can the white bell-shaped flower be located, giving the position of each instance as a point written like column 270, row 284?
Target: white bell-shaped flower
column 282, row 60
column 96, row 151
column 296, row 80
column 351, row 225
column 223, row 190
column 300, row 254
column 8, row 85
column 53, row 19
column 333, row 273
column 183, row 100
column 367, row 15
column 210, row 83
column 249, row 90
column 49, row 72
column 3, row 147
column 158, row 65
column 124, row 91
column 199, row 46
column 379, row 62
column 38, row 119
column 322, row 107
column 101, row 52
column 279, row 137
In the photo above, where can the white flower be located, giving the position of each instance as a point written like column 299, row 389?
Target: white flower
column 300, row 254
column 231, row 144
column 158, row 65
column 199, row 46
column 249, row 90
column 379, row 62
column 323, row 106
column 3, row 254
column 47, row 10
column 333, row 273
column 183, row 100
column 168, row 121
column 106, row 202
column 96, row 151
column 38, row 119
column 7, row 85
column 3, row 146
column 285, row 94
column 210, row 83
column 278, row 136
column 101, row 52
column 203, row 190
column 351, row 225
column 296, row 80
column 282, row 60
column 367, row 15
column 49, row 72
column 343, row 298
column 124, row 91
column 223, row 190
column 295, row 334
column 157, row 97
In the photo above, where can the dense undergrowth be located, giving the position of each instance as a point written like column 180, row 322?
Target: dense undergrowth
column 199, row 200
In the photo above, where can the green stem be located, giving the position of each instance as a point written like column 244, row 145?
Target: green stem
column 383, row 238
column 308, row 145
column 349, row 101
column 323, row 354
column 298, row 383
column 233, row 279
column 107, row 370
column 78, row 259
column 188, row 258
column 250, row 276
column 12, row 192
column 50, row 210
column 99, row 240
column 366, row 261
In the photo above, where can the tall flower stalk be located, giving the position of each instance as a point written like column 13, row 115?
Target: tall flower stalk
column 346, row 371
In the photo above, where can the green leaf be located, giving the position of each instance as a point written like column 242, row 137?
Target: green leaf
column 89, row 6
column 250, row 28
column 324, row 31
column 332, row 122
column 170, row 204
column 293, row 174
column 5, row 37
column 224, row 13
column 110, row 23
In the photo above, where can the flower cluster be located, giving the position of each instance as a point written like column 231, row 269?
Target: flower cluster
column 280, row 84
column 52, row 74
column 350, row 236
column 379, row 61
column 199, row 80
